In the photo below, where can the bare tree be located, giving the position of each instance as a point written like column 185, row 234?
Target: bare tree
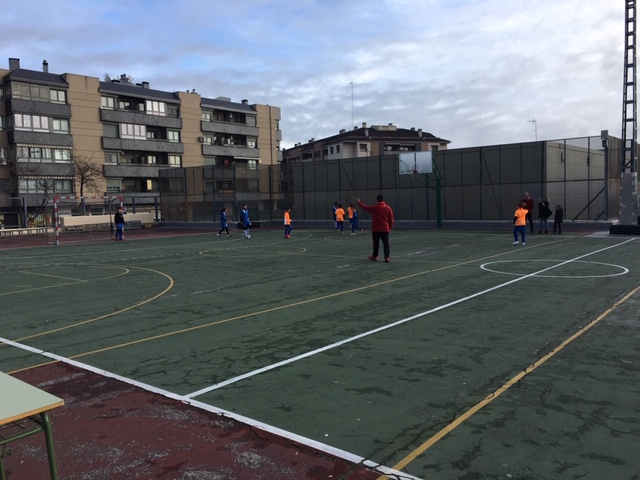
column 18, row 171
column 88, row 172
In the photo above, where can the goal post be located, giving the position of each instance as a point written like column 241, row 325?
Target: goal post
column 83, row 218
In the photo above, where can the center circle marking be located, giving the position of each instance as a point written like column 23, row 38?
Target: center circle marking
column 623, row 270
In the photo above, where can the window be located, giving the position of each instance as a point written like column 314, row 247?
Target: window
column 108, row 103
column 1, row 91
column 172, row 111
column 57, row 96
column 331, row 150
column 337, row 148
column 4, row 155
column 110, row 130
column 3, row 122
column 251, row 121
column 114, row 185
column 175, row 160
column 24, row 91
column 63, row 186
column 252, row 142
column 206, row 116
column 151, row 159
column 364, row 147
column 137, row 132
column 111, row 158
column 155, row 108
column 173, row 136
column 62, row 156
column 44, row 184
column 60, row 125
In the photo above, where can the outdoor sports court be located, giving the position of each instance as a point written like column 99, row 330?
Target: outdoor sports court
column 465, row 357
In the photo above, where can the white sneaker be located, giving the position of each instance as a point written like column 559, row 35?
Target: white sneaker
column 217, row 234
column 523, row 244
column 515, row 243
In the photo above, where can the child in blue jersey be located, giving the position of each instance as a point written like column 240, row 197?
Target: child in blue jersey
column 353, row 219
column 224, row 225
column 246, row 221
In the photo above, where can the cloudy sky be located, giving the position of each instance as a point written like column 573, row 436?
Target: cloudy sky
column 475, row 72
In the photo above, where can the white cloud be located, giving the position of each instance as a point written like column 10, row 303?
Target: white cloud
column 471, row 71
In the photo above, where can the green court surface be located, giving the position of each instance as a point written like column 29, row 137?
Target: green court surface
column 465, row 357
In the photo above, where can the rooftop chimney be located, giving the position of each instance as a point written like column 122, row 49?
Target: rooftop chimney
column 14, row 64
column 364, row 124
column 245, row 102
column 45, row 66
column 145, row 84
column 420, row 132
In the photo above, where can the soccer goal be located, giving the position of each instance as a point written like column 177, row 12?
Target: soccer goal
column 83, row 218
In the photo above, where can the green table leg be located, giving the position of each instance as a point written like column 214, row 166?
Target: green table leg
column 46, row 423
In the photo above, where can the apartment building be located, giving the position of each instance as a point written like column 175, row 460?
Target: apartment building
column 364, row 141
column 53, row 125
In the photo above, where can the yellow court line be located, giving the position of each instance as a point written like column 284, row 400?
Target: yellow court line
column 283, row 307
column 37, row 289
column 78, row 280
column 492, row 396
column 254, row 314
column 91, row 320
column 74, row 280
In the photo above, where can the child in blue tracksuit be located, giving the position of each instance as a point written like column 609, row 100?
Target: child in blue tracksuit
column 246, row 222
column 224, row 225
column 354, row 220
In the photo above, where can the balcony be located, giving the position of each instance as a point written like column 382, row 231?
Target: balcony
column 236, row 151
column 140, row 118
column 165, row 146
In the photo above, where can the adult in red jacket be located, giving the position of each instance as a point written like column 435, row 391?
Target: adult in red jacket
column 381, row 225
column 528, row 205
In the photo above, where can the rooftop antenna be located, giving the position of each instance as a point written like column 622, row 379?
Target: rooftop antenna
column 352, row 118
column 535, row 127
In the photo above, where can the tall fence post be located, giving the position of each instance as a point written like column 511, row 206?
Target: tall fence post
column 25, row 217
column 56, row 222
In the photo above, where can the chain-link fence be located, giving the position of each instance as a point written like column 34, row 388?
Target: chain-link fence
column 478, row 184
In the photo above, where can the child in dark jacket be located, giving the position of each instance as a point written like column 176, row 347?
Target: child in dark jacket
column 557, row 219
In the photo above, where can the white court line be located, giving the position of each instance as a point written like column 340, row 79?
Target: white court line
column 328, row 449
column 388, row 326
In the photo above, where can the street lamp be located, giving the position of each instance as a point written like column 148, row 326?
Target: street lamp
column 535, row 127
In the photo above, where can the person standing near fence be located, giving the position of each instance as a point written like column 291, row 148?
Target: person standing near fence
column 287, row 223
column 557, row 219
column 119, row 221
column 246, row 221
column 544, row 212
column 528, row 205
column 381, row 225
column 224, row 225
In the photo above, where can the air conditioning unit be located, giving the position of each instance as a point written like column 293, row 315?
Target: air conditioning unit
column 202, row 139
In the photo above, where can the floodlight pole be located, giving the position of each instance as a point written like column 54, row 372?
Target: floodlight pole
column 629, row 178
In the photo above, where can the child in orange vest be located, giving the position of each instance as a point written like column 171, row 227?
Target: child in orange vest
column 287, row 223
column 520, row 223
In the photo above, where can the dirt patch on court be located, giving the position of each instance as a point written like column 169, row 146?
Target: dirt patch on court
column 108, row 429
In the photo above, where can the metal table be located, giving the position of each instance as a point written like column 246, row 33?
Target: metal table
column 24, row 412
